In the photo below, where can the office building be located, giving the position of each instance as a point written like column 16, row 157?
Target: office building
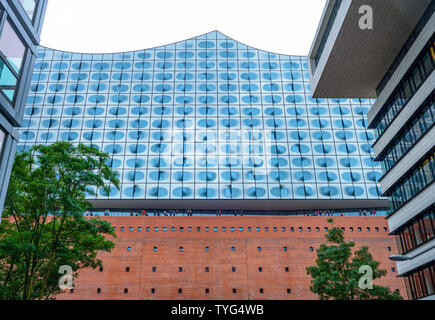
column 391, row 60
column 20, row 28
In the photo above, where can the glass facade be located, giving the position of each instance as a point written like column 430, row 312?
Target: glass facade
column 2, row 141
column 12, row 53
column 413, row 182
column 30, row 7
column 408, row 86
column 204, row 118
column 417, row 231
column 421, row 283
column 421, row 122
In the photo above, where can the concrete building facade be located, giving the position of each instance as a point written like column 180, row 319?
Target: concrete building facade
column 20, row 29
column 394, row 63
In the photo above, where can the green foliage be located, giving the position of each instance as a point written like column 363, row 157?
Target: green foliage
column 336, row 273
column 43, row 226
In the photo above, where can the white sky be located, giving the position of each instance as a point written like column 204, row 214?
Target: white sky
column 96, row 26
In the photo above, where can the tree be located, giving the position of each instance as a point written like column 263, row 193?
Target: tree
column 337, row 273
column 43, row 225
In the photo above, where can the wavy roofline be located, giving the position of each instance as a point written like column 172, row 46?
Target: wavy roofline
column 173, row 43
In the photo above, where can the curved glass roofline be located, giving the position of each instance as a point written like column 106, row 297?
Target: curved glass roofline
column 174, row 43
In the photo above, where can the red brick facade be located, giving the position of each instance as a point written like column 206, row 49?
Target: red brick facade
column 282, row 251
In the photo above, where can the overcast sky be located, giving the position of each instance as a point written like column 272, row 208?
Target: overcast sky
column 280, row 26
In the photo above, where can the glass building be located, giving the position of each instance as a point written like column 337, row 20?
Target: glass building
column 20, row 28
column 207, row 118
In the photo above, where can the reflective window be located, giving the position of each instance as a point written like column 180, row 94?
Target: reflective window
column 2, row 141
column 410, row 83
column 29, row 6
column 11, row 57
column 421, row 283
column 11, row 47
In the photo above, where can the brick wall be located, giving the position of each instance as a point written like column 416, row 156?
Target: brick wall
column 226, row 249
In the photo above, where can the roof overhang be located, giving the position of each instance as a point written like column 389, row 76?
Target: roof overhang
column 354, row 61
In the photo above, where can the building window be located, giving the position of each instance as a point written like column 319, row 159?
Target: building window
column 232, row 229
column 198, row 229
column 127, row 269
column 189, row 229
column 376, row 229
column 393, row 269
column 172, row 228
column 288, row 291
column 139, row 228
column 368, row 229
column 275, row 229
column 233, row 249
column 207, row 269
column 421, row 282
column 165, row 229
column 180, row 249
column 261, row 290
column 125, row 290
column 326, row 229
column 99, row 290
column 258, row 229
column 130, row 228
column 180, row 290
column 29, row 6
column 260, row 269
column 286, row 269
column 388, row 248
column 101, row 269
column 128, row 248
column 154, row 269
column 180, row 269
column 292, row 229
column 234, row 290
column 207, row 249
column 224, row 229
column 343, row 229
column 206, row 229
column 147, row 228
column 12, row 53
column 266, row 229
column 207, row 290
column 284, row 249
column 300, row 229
column 385, row 229
column 215, row 229
column 153, row 290
column 249, row 229
column 283, row 229
column 311, row 249
column 71, row 290
column 156, row 229
column 181, row 229
column 155, row 249
column 233, row 269
column 359, row 228
column 309, row 229
column 317, row 229
column 351, row 229
column 240, row 229
column 259, row 249
column 122, row 228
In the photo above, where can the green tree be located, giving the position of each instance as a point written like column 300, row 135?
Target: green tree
column 43, row 225
column 336, row 274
